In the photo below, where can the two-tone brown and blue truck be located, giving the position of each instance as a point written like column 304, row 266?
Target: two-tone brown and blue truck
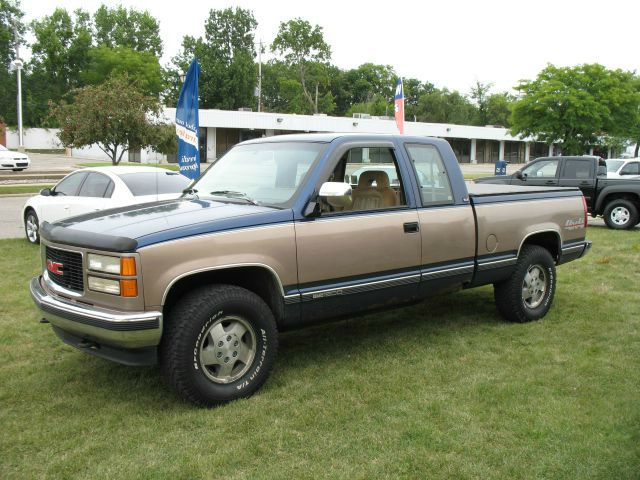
column 287, row 231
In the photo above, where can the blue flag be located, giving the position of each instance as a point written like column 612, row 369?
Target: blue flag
column 187, row 124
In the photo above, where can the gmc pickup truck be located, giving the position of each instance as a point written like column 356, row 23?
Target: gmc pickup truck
column 617, row 200
column 287, row 231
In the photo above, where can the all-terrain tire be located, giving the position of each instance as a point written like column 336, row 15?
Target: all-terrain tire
column 528, row 293
column 219, row 344
column 621, row 214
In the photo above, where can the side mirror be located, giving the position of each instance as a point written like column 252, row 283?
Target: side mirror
column 46, row 192
column 337, row 194
column 520, row 176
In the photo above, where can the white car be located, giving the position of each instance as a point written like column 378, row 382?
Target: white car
column 92, row 189
column 623, row 168
column 10, row 160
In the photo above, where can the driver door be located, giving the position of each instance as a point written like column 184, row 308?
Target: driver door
column 540, row 173
column 367, row 254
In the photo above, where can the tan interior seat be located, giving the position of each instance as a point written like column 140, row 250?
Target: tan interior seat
column 369, row 196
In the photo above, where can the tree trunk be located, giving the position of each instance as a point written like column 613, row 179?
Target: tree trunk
column 304, row 88
column 635, row 155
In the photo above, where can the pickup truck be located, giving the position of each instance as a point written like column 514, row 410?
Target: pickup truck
column 618, row 201
column 275, row 235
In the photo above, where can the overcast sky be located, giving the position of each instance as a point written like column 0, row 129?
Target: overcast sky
column 451, row 43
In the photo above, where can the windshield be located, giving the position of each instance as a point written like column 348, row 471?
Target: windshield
column 613, row 165
column 154, row 183
column 261, row 173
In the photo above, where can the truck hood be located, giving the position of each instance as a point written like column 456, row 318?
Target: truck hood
column 132, row 227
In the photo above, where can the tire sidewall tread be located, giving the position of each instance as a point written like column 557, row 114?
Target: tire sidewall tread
column 633, row 214
column 186, row 324
column 508, row 294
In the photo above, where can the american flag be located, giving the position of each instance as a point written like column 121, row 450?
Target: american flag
column 399, row 106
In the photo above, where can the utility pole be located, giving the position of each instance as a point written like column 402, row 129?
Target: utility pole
column 17, row 63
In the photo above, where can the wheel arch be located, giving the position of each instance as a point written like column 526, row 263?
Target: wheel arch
column 547, row 239
column 612, row 195
column 257, row 278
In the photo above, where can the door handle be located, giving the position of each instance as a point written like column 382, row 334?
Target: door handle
column 411, row 227
column 550, row 182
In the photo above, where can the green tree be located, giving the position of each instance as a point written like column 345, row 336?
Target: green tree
column 302, row 45
column 122, row 27
column 498, row 109
column 443, row 106
column 228, row 73
column 413, row 90
column 577, row 106
column 60, row 52
column 480, row 94
column 113, row 115
column 141, row 66
column 10, row 14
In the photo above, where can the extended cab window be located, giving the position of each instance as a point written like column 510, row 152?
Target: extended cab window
column 373, row 175
column 433, row 181
column 575, row 168
column 542, row 169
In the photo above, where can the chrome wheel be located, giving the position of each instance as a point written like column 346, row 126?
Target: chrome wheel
column 31, row 226
column 620, row 215
column 228, row 349
column 534, row 286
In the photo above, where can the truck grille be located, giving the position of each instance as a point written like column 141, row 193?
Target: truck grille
column 70, row 276
column 22, row 164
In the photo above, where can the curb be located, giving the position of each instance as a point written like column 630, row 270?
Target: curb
column 17, row 195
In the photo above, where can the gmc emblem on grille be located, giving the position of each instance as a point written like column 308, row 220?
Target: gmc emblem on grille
column 54, row 267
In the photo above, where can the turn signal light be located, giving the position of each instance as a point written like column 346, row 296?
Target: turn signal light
column 128, row 288
column 128, row 266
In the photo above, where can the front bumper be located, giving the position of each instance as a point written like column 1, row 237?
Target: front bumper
column 101, row 332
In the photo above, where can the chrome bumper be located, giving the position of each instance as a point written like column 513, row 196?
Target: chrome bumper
column 127, row 330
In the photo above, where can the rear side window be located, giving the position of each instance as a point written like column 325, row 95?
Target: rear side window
column 69, row 185
column 95, row 185
column 154, row 183
column 432, row 177
column 578, row 169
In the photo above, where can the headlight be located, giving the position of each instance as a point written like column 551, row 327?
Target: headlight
column 116, row 265
column 104, row 263
column 104, row 285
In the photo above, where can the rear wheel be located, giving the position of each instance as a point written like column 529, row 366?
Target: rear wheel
column 621, row 214
column 220, row 343
column 528, row 293
column 32, row 226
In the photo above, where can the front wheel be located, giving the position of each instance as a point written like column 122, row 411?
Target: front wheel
column 620, row 214
column 528, row 293
column 220, row 343
column 32, row 227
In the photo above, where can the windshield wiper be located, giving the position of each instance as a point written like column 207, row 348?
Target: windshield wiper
column 234, row 194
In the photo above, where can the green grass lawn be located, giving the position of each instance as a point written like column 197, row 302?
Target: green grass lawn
column 473, row 176
column 444, row 389
column 168, row 166
column 5, row 189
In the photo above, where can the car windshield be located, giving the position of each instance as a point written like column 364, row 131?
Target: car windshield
column 614, row 165
column 259, row 173
column 154, row 183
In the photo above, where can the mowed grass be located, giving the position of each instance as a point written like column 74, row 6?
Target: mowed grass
column 12, row 189
column 444, row 389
